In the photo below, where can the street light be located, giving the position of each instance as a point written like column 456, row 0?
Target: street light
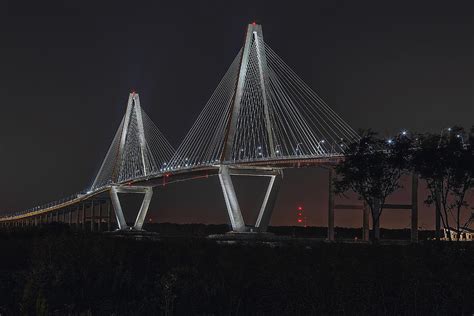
column 297, row 150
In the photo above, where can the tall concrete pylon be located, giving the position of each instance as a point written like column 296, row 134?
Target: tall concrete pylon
column 253, row 41
column 128, row 157
column 133, row 111
column 253, row 44
column 131, row 155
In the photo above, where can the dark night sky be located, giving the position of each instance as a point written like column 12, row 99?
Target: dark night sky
column 67, row 67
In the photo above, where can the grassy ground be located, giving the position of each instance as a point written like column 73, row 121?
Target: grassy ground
column 55, row 271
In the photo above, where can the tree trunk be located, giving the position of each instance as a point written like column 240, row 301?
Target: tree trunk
column 376, row 219
column 437, row 215
column 458, row 223
column 376, row 229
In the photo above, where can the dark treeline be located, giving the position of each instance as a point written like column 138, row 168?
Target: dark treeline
column 55, row 271
column 373, row 167
column 341, row 233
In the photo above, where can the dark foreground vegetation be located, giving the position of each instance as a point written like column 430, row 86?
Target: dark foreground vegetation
column 341, row 233
column 57, row 271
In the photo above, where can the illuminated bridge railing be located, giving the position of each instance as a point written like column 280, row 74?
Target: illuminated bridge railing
column 46, row 206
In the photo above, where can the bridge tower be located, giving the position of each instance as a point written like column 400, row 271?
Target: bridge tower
column 253, row 40
column 253, row 45
column 132, row 119
column 137, row 151
column 260, row 119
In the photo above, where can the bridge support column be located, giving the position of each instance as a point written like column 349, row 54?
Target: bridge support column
column 108, row 216
column 78, row 218
column 437, row 215
column 377, row 207
column 83, row 222
column 233, row 207
column 414, row 208
column 268, row 204
column 99, row 221
column 143, row 209
column 122, row 224
column 330, row 207
column 365, row 223
column 232, row 203
column 92, row 215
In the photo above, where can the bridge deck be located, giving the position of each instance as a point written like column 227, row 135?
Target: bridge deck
column 179, row 175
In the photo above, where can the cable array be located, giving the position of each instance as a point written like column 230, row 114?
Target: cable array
column 279, row 117
column 138, row 149
column 204, row 143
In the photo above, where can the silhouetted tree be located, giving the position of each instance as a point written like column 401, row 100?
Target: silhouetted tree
column 372, row 169
column 446, row 162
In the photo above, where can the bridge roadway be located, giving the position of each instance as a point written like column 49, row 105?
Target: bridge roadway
column 255, row 168
column 179, row 175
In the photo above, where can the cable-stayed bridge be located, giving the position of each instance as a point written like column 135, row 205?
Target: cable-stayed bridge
column 261, row 119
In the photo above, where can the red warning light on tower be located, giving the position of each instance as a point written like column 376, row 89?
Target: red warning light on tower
column 300, row 215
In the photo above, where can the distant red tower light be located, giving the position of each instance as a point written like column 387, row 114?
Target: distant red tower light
column 254, row 23
column 300, row 220
column 300, row 208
